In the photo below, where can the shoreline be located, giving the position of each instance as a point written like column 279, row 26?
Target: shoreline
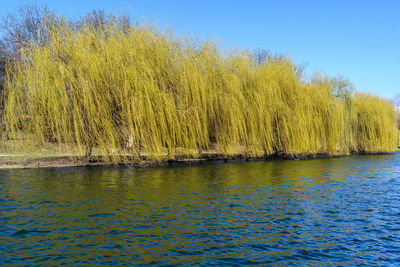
column 67, row 161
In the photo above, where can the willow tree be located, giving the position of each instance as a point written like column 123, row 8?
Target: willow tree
column 133, row 91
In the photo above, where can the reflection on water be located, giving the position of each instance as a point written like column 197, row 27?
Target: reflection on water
column 343, row 211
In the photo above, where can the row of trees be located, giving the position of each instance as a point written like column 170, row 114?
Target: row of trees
column 102, row 81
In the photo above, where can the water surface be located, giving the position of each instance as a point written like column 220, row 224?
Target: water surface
column 343, row 211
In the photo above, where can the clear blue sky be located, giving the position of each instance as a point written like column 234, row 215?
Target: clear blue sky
column 359, row 39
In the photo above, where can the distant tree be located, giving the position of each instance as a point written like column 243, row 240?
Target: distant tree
column 24, row 25
column 96, row 18
column 342, row 86
column 396, row 102
column 99, row 18
column 18, row 28
column 262, row 56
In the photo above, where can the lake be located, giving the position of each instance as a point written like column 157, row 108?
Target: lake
column 338, row 211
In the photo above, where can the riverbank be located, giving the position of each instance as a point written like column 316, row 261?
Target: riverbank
column 20, row 161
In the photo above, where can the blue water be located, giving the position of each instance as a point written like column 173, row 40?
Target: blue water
column 343, row 211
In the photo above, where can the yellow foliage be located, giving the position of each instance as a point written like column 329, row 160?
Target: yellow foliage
column 101, row 87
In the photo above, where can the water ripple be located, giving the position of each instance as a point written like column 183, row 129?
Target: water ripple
column 343, row 211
